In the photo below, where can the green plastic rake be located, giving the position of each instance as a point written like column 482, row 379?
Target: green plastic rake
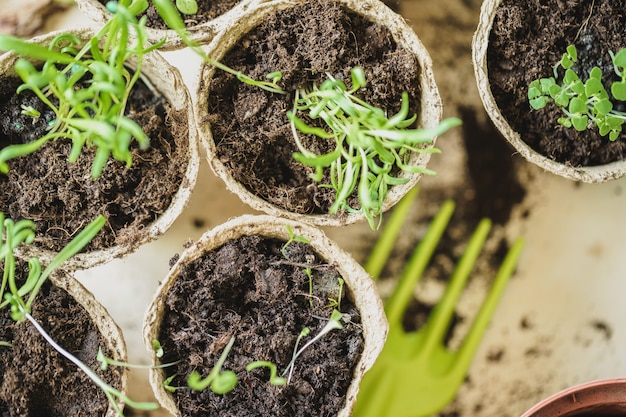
column 416, row 375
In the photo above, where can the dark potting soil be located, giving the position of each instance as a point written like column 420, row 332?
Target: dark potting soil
column 249, row 290
column 250, row 128
column 207, row 10
column 62, row 197
column 35, row 380
column 528, row 38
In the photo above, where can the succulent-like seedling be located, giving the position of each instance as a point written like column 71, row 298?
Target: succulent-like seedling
column 585, row 103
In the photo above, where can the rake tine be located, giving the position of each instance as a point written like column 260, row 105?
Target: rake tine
column 438, row 323
column 399, row 300
column 383, row 246
column 472, row 340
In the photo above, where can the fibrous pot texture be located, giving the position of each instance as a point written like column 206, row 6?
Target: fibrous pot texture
column 247, row 134
column 35, row 380
column 139, row 202
column 240, row 281
column 517, row 42
column 202, row 26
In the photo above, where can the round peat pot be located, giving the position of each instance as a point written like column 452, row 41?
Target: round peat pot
column 140, row 201
column 261, row 288
column 517, row 42
column 249, row 139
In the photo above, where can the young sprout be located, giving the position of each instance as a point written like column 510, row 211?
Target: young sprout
column 86, row 87
column 336, row 303
column 158, row 349
column 274, row 378
column 587, row 102
column 368, row 145
column 167, row 383
column 334, row 322
column 105, row 362
column 19, row 298
column 219, row 382
column 172, row 19
column 309, row 273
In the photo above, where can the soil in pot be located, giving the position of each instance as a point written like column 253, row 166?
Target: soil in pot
column 250, row 128
column 248, row 289
column 61, row 196
column 207, row 10
column 527, row 39
column 35, row 379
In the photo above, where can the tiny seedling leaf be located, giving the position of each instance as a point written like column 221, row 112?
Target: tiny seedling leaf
column 187, row 6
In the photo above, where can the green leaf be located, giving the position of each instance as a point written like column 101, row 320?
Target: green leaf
column 187, row 6
column 596, row 73
column 619, row 60
column 577, row 106
column 539, row 102
column 33, row 50
column 554, row 90
column 593, row 86
column 570, row 77
column 580, row 122
column 618, row 89
column 603, row 107
column 564, row 121
column 569, row 57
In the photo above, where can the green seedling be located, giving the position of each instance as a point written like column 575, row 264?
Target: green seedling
column 274, row 378
column 86, row 87
column 220, row 382
column 368, row 145
column 334, row 322
column 292, row 239
column 336, row 303
column 584, row 103
column 187, row 6
column 105, row 362
column 20, row 297
column 158, row 349
column 167, row 383
column 172, row 19
column 309, row 273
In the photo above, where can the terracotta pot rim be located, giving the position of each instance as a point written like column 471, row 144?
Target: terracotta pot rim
column 357, row 283
column 403, row 34
column 589, row 174
column 602, row 392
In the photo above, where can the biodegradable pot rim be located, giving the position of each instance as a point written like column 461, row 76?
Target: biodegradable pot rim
column 374, row 10
column 357, row 282
column 160, row 73
column 480, row 43
column 201, row 33
column 604, row 395
column 103, row 321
